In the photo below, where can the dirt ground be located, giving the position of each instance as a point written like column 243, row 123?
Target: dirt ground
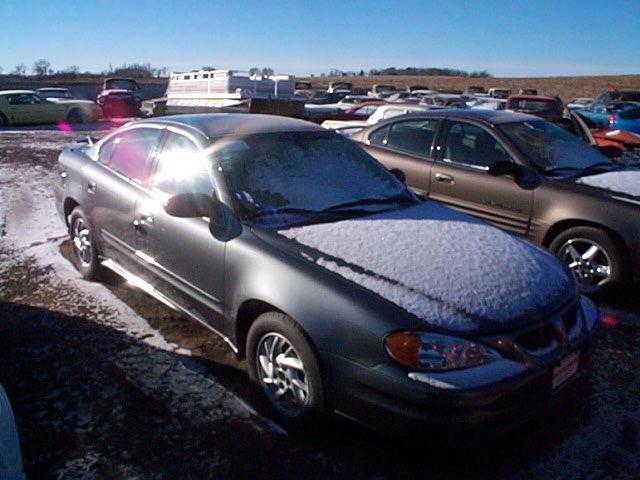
column 108, row 383
column 565, row 87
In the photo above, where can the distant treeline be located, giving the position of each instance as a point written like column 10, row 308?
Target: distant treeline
column 432, row 71
column 42, row 69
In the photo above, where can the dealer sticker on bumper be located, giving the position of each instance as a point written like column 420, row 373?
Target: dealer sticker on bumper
column 567, row 369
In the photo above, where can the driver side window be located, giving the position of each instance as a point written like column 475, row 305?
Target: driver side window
column 472, row 145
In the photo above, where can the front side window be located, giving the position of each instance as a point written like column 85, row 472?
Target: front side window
column 181, row 168
column 472, row 145
column 23, row 99
column 131, row 151
column 413, row 136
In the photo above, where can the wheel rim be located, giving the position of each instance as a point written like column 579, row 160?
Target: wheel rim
column 282, row 374
column 82, row 242
column 589, row 262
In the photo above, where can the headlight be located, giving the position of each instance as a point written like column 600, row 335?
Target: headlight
column 435, row 352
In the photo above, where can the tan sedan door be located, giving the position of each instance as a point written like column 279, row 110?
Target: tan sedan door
column 460, row 178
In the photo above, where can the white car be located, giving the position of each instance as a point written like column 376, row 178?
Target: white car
column 382, row 112
column 10, row 456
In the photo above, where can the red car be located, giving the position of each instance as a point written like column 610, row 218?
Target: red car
column 549, row 108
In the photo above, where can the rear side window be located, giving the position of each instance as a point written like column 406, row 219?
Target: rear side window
column 131, row 151
column 379, row 136
column 181, row 168
column 412, row 136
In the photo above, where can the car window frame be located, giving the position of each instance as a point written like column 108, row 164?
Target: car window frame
column 429, row 153
column 442, row 141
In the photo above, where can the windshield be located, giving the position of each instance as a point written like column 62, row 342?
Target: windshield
column 120, row 84
column 54, row 93
column 302, row 171
column 551, row 148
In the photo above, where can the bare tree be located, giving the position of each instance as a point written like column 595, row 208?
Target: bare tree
column 20, row 69
column 41, row 67
column 254, row 71
column 267, row 71
column 72, row 69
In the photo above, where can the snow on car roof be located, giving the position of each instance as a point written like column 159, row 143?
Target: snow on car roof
column 220, row 124
column 446, row 268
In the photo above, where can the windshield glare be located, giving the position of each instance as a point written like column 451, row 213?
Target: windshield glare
column 549, row 147
column 301, row 170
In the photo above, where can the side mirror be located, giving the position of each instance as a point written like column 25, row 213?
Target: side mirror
column 189, row 205
column 504, row 167
column 399, row 174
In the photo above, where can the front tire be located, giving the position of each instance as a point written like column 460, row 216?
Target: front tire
column 85, row 253
column 594, row 256
column 281, row 360
column 3, row 120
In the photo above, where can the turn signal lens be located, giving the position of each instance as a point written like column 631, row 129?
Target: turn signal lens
column 435, row 352
column 612, row 119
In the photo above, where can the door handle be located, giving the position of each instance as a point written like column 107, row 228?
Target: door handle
column 91, row 187
column 443, row 177
column 142, row 221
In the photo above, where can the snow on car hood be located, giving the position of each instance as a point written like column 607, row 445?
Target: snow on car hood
column 622, row 181
column 449, row 269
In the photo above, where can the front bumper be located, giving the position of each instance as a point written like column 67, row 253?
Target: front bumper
column 493, row 397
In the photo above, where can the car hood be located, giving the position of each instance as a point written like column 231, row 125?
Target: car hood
column 626, row 181
column 448, row 269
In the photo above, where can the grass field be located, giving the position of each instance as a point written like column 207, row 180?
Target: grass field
column 566, row 87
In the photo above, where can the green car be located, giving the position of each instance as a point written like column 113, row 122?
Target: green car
column 28, row 107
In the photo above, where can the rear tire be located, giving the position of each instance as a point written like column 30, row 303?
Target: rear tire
column 75, row 116
column 596, row 258
column 85, row 253
column 281, row 360
column 3, row 120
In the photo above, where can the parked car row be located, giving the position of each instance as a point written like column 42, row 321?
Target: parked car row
column 119, row 97
column 345, row 290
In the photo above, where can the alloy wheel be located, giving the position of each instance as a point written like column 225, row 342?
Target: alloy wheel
column 589, row 262
column 282, row 375
column 82, row 242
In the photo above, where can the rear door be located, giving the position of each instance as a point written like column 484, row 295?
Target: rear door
column 460, row 177
column 407, row 145
column 180, row 257
column 112, row 186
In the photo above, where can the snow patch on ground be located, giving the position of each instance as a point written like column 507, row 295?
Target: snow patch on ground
column 445, row 267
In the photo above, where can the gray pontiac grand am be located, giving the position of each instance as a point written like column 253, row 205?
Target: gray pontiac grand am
column 344, row 291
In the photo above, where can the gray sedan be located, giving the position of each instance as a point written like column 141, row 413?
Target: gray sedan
column 344, row 290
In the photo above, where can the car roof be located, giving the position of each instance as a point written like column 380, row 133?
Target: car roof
column 15, row 92
column 214, row 125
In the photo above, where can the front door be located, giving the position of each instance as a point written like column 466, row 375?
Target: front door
column 460, row 178
column 179, row 256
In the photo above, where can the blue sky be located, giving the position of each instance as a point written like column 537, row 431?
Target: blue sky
column 507, row 38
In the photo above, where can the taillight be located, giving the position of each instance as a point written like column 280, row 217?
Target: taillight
column 612, row 120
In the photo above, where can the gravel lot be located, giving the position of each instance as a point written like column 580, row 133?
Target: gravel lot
column 108, row 383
